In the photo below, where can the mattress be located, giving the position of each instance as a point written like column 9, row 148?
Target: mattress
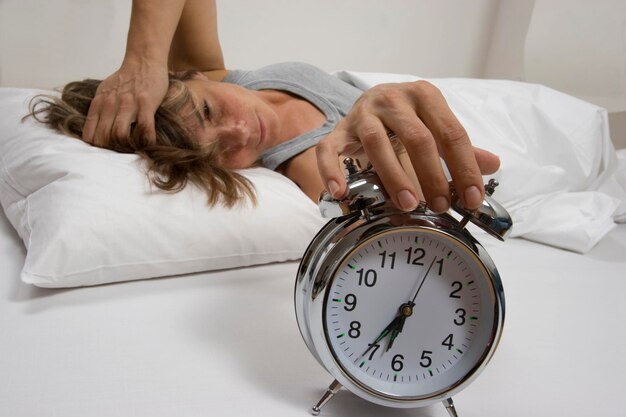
column 226, row 343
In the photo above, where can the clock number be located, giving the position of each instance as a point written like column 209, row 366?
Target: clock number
column 461, row 319
column 448, row 342
column 440, row 262
column 457, row 287
column 417, row 251
column 391, row 255
column 355, row 329
column 376, row 346
column 350, row 302
column 368, row 277
column 396, row 363
column 426, row 359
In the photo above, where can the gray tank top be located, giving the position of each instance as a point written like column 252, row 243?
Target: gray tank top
column 329, row 94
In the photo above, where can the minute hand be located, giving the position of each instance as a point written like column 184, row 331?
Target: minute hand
column 389, row 329
column 406, row 310
column 395, row 327
column 423, row 280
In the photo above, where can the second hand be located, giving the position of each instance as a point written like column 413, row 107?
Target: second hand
column 423, row 280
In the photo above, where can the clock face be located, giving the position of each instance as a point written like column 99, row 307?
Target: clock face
column 410, row 313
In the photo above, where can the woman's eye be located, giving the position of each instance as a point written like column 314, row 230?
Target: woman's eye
column 206, row 111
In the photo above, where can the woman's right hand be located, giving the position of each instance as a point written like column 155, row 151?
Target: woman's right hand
column 419, row 115
column 131, row 94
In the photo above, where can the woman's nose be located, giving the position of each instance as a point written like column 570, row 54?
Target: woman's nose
column 234, row 134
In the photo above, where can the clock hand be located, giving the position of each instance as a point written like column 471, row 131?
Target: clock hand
column 423, row 280
column 395, row 333
column 406, row 310
column 397, row 324
column 390, row 328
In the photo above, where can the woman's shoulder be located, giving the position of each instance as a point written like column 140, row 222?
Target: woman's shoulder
column 284, row 71
column 294, row 67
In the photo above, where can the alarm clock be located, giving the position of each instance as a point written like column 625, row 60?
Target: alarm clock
column 403, row 309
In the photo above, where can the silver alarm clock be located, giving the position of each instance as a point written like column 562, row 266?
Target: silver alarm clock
column 404, row 309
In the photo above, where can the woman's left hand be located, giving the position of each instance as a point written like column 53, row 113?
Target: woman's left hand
column 420, row 117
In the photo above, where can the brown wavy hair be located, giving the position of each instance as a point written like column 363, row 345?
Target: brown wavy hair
column 173, row 161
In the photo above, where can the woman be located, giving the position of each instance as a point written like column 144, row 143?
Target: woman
column 290, row 117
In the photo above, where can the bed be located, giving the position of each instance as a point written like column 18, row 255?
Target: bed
column 95, row 326
column 225, row 343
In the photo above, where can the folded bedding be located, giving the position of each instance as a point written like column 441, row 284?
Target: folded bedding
column 89, row 216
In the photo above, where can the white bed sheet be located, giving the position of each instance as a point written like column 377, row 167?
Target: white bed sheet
column 226, row 343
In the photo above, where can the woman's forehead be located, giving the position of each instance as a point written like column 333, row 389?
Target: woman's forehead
column 179, row 99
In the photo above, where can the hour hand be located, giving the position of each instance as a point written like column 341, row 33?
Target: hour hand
column 406, row 310
column 395, row 332
column 389, row 329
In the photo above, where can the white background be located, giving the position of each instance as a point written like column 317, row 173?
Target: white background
column 576, row 47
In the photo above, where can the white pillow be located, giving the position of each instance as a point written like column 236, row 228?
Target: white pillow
column 90, row 216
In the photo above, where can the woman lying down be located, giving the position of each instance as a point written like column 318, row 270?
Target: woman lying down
column 173, row 102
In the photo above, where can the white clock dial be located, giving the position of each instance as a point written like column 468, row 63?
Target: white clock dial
column 410, row 313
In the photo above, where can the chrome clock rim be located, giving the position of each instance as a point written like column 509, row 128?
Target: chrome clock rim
column 327, row 251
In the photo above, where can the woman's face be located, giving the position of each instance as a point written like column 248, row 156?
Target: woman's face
column 234, row 119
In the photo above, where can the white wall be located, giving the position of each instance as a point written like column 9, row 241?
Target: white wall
column 578, row 47
column 426, row 37
column 46, row 43
column 505, row 59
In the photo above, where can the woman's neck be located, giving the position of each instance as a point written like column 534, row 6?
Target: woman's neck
column 297, row 115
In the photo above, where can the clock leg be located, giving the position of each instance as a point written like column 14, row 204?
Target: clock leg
column 450, row 407
column 332, row 390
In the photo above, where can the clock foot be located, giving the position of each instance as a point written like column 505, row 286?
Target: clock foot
column 450, row 407
column 332, row 390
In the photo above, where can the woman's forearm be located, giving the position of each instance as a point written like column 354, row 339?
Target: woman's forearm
column 133, row 93
column 196, row 44
column 152, row 27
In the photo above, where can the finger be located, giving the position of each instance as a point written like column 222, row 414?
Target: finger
column 91, row 121
column 407, row 165
column 454, row 145
column 422, row 150
column 487, row 161
column 327, row 153
column 121, row 128
column 378, row 147
column 126, row 115
column 145, row 124
column 107, row 115
column 458, row 154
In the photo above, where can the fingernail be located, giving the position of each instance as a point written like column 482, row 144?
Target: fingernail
column 333, row 188
column 472, row 197
column 406, row 200
column 439, row 204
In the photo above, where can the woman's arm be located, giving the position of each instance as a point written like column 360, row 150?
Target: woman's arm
column 133, row 92
column 427, row 128
column 196, row 44
column 152, row 27
column 179, row 33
